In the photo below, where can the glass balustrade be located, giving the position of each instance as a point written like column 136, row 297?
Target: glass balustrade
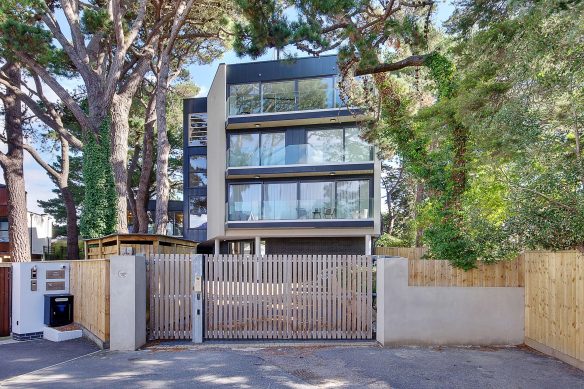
column 302, row 154
column 316, row 210
column 283, row 96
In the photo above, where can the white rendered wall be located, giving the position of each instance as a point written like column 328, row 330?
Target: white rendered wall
column 420, row 315
column 28, row 306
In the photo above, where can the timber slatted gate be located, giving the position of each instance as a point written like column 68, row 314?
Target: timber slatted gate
column 288, row 297
column 5, row 300
column 169, row 295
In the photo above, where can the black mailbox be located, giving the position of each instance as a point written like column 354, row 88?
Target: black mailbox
column 58, row 309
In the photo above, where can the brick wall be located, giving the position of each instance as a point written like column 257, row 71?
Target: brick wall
column 316, row 246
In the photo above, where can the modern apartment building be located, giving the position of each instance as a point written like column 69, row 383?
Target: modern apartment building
column 274, row 163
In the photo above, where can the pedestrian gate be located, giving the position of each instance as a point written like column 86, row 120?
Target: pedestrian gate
column 264, row 297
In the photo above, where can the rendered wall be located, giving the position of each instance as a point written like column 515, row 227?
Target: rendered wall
column 417, row 315
column 27, row 305
column 127, row 302
column 216, row 155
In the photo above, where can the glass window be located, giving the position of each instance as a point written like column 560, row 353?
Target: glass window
column 244, row 99
column 198, row 171
column 280, row 201
column 316, row 200
column 356, row 149
column 273, row 148
column 198, row 212
column 198, row 129
column 278, row 96
column 244, row 202
column 353, row 199
column 244, row 150
column 324, row 146
column 315, row 93
column 4, row 229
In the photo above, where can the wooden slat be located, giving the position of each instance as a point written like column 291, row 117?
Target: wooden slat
column 554, row 309
column 288, row 297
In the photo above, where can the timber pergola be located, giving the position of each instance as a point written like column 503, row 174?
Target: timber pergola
column 132, row 244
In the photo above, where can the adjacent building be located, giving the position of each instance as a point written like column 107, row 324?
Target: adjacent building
column 274, row 163
column 40, row 228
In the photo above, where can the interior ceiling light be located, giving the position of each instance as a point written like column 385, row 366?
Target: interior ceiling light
column 257, row 125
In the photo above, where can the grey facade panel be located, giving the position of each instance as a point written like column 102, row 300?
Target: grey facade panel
column 282, row 70
column 315, row 246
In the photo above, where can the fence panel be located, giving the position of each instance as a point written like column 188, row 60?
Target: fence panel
column 89, row 283
column 5, row 299
column 288, row 297
column 554, row 304
column 422, row 272
column 169, row 293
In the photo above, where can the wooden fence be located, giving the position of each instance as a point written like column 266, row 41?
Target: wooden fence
column 134, row 244
column 404, row 252
column 554, row 304
column 169, row 294
column 89, row 283
column 428, row 272
column 288, row 297
column 5, row 299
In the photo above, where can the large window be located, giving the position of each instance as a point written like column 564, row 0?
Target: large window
column 279, row 201
column 315, row 93
column 283, row 96
column 316, row 200
column 244, row 202
column 198, row 129
column 273, row 148
column 353, row 199
column 198, row 171
column 356, row 149
column 197, row 212
column 4, row 229
column 244, row 150
column 244, row 99
column 175, row 224
column 278, row 96
column 341, row 199
column 324, row 146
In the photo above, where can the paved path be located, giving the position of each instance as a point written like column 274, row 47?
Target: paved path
column 23, row 357
column 307, row 367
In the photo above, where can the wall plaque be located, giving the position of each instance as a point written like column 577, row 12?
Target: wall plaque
column 55, row 285
column 56, row 274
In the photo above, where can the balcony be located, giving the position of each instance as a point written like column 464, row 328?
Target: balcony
column 299, row 210
column 302, row 154
column 303, row 101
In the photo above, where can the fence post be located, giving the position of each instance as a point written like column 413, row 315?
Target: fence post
column 127, row 302
column 197, row 279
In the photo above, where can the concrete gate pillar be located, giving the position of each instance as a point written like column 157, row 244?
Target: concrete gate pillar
column 127, row 302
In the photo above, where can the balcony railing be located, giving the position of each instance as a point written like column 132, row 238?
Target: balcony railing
column 303, row 154
column 291, row 210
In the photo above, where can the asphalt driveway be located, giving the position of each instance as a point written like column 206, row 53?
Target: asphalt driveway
column 23, row 357
column 251, row 366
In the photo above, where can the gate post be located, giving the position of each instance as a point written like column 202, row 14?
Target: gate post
column 197, row 297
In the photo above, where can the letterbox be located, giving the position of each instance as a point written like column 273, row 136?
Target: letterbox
column 58, row 309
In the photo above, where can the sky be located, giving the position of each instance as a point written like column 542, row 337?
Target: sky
column 38, row 184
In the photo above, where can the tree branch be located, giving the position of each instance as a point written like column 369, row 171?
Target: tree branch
column 414, row 60
column 37, row 157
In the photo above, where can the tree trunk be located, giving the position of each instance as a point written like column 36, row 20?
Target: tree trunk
column 72, row 229
column 120, row 112
column 162, row 184
column 12, row 165
column 131, row 197
column 142, row 196
column 418, row 200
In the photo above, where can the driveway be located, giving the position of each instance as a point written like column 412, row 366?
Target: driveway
column 23, row 357
column 250, row 366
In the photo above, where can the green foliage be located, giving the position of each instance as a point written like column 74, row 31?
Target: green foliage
column 99, row 214
column 386, row 240
column 55, row 206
